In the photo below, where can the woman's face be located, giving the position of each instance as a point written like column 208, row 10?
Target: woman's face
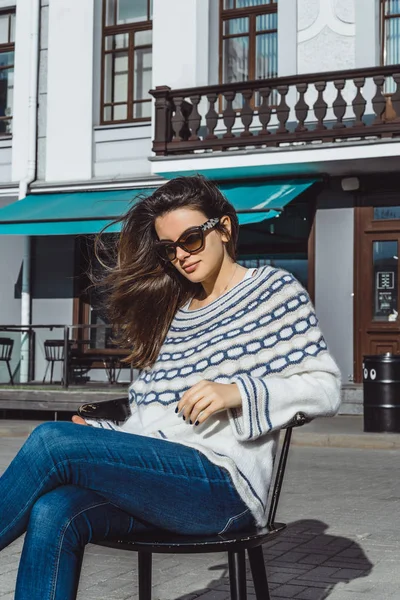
column 203, row 264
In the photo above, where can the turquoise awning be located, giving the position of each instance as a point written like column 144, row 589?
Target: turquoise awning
column 254, row 200
column 89, row 212
column 67, row 213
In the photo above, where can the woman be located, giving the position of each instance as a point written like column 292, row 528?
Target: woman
column 227, row 356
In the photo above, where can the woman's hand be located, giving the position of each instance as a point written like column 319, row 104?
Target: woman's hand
column 207, row 398
column 78, row 420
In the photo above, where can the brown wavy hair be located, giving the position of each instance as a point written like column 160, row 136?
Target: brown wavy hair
column 143, row 292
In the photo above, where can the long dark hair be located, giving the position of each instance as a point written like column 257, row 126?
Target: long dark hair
column 143, row 293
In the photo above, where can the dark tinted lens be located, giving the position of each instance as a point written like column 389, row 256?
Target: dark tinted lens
column 193, row 241
column 166, row 252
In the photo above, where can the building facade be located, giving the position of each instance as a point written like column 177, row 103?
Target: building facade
column 262, row 96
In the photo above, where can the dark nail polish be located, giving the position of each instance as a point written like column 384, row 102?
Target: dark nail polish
column 176, row 410
column 184, row 418
column 190, row 421
column 197, row 423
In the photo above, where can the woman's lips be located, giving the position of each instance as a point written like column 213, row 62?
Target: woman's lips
column 190, row 268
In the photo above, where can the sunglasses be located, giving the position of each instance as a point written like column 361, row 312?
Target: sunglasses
column 191, row 240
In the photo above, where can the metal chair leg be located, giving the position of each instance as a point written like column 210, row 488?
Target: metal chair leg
column 145, row 563
column 259, row 573
column 237, row 575
column 45, row 373
column 10, row 373
column 51, row 371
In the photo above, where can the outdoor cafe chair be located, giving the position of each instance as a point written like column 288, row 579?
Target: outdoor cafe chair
column 53, row 352
column 6, row 348
column 235, row 544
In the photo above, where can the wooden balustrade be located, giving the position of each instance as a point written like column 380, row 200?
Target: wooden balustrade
column 325, row 107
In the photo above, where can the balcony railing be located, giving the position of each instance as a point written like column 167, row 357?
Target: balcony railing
column 320, row 107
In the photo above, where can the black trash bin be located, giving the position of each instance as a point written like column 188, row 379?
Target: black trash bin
column 381, row 378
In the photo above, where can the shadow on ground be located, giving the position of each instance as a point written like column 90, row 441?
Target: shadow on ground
column 304, row 562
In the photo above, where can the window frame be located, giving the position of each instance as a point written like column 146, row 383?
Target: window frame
column 4, row 48
column 252, row 12
column 383, row 19
column 130, row 29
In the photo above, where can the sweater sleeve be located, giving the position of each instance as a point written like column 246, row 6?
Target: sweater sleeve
column 300, row 377
column 103, row 424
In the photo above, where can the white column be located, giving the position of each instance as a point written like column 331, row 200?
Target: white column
column 70, row 91
column 367, row 33
column 180, row 43
column 287, row 37
column 22, row 81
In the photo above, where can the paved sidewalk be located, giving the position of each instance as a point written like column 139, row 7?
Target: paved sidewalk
column 342, row 543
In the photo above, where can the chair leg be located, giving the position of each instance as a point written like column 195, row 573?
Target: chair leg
column 259, row 573
column 45, row 373
column 237, row 575
column 51, row 371
column 10, row 373
column 145, row 562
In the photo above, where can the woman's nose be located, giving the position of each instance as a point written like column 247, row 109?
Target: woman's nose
column 181, row 254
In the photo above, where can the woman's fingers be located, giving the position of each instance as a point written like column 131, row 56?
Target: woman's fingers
column 78, row 420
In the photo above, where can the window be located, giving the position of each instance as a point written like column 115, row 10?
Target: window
column 7, row 38
column 390, row 32
column 248, row 40
column 127, row 61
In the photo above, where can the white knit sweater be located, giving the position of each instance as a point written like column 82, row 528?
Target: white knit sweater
column 262, row 335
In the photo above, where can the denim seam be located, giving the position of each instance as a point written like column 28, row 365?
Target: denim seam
column 232, row 519
column 56, row 566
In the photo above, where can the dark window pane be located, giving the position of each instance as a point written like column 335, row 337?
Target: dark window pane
column 236, row 26
column 12, row 28
column 107, row 115
column 142, row 73
column 120, row 112
column 116, row 77
column 6, row 98
column 385, row 269
column 267, row 22
column 235, row 60
column 392, row 7
column 144, row 38
column 229, row 4
column 266, row 55
column 119, row 12
column 6, row 59
column 142, row 110
column 387, row 212
column 4, row 28
column 249, row 3
column 117, row 42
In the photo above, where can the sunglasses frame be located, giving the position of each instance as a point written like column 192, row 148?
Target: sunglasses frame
column 207, row 226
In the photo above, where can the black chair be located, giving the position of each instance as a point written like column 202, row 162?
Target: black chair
column 236, row 545
column 6, row 348
column 53, row 352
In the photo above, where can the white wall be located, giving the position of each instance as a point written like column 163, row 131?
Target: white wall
column 334, row 281
column 122, row 151
column 180, row 42
column 70, row 91
column 367, row 45
column 326, row 35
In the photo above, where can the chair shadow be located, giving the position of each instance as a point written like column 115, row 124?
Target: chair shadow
column 303, row 556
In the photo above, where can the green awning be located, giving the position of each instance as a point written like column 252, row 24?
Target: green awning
column 77, row 213
column 254, row 200
column 70, row 213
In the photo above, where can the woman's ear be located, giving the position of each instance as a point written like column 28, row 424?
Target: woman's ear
column 225, row 221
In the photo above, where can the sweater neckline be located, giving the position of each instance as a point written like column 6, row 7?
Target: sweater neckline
column 248, row 275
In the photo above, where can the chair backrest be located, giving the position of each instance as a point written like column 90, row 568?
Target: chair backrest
column 6, row 347
column 54, row 350
column 298, row 420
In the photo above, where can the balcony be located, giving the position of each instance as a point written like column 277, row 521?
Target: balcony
column 311, row 109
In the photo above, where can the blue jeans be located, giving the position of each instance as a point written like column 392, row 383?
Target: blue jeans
column 70, row 485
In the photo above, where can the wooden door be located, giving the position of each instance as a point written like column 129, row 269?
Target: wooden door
column 377, row 289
